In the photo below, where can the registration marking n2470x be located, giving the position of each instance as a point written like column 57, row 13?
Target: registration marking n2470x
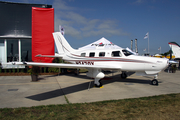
column 85, row 62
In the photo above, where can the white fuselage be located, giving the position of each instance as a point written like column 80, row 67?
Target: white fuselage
column 117, row 57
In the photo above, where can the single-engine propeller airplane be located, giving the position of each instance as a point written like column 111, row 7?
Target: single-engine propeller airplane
column 100, row 56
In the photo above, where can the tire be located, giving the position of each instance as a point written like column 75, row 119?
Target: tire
column 154, row 82
column 123, row 75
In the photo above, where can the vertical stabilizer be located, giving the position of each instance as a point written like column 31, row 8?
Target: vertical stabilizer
column 175, row 48
column 61, row 44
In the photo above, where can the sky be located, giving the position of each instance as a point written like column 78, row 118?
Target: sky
column 119, row 21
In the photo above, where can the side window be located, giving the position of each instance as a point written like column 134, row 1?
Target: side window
column 101, row 54
column 92, row 54
column 127, row 53
column 116, row 54
column 83, row 54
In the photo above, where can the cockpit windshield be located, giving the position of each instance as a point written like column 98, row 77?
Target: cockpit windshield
column 127, row 53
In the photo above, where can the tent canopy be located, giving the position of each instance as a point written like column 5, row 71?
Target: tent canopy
column 99, row 44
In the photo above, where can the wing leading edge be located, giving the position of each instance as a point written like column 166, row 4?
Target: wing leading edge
column 64, row 65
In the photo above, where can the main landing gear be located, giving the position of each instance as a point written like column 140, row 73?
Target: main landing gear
column 97, row 75
column 124, row 75
column 99, row 84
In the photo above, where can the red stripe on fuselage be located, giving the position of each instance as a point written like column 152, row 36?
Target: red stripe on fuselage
column 102, row 59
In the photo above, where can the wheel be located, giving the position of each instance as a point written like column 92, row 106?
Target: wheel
column 154, row 82
column 123, row 75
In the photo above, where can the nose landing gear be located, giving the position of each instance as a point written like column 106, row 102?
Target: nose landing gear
column 155, row 81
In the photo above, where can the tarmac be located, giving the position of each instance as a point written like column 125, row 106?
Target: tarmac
column 20, row 91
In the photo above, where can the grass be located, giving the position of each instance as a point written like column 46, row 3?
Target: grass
column 157, row 107
column 82, row 70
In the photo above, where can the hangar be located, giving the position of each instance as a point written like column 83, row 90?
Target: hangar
column 25, row 31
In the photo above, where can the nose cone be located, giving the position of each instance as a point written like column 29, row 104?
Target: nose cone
column 161, row 63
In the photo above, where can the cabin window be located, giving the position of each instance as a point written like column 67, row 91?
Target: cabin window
column 83, row 54
column 127, row 53
column 92, row 54
column 116, row 54
column 101, row 54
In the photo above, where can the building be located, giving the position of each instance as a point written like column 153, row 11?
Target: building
column 17, row 30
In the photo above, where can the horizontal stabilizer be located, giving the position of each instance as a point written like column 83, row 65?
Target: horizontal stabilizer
column 52, row 56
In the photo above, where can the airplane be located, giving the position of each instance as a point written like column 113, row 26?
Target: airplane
column 175, row 49
column 99, row 56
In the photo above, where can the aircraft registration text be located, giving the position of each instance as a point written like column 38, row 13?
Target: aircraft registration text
column 85, row 62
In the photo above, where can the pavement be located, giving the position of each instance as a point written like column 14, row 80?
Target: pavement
column 20, row 91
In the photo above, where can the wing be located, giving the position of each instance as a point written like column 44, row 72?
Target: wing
column 64, row 65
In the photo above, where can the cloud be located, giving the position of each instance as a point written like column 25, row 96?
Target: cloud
column 76, row 25
column 61, row 5
column 139, row 2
